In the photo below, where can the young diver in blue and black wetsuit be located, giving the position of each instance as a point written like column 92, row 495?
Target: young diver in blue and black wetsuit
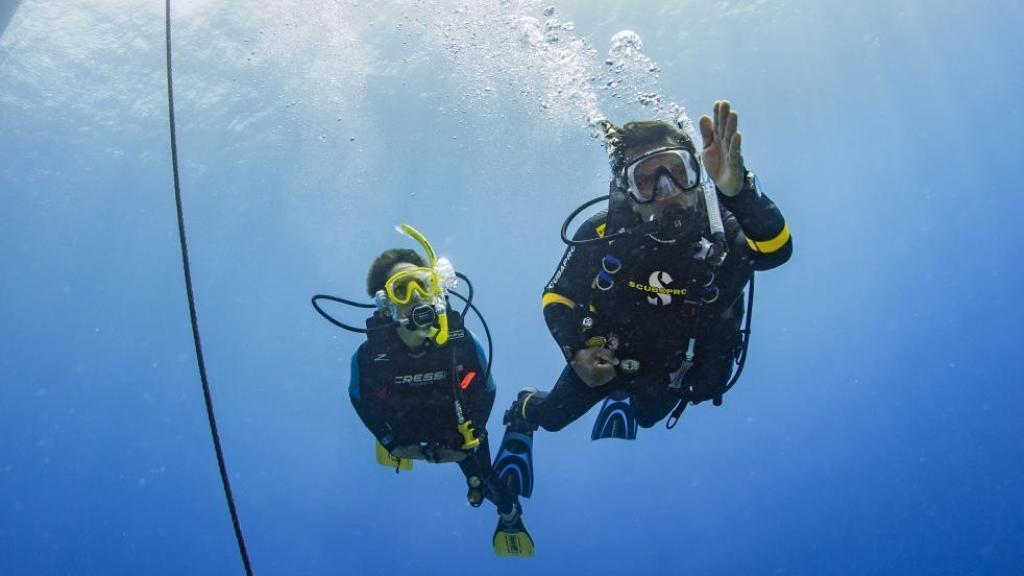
column 421, row 382
column 646, row 304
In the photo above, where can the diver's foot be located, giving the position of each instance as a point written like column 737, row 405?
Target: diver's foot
column 512, row 516
column 515, row 416
column 510, row 536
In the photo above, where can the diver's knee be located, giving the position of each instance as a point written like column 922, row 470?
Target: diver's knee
column 648, row 422
column 553, row 426
column 649, row 417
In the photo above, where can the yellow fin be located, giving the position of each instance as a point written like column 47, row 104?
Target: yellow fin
column 508, row 544
column 384, row 458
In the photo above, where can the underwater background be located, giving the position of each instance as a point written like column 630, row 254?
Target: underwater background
column 877, row 426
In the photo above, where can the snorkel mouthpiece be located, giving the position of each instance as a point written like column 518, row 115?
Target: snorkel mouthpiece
column 442, row 329
column 445, row 274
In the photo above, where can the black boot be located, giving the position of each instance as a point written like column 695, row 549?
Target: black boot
column 515, row 417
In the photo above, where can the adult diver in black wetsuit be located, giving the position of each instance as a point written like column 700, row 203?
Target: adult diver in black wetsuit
column 646, row 303
column 421, row 383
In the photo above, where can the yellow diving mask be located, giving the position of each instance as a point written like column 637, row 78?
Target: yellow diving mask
column 426, row 285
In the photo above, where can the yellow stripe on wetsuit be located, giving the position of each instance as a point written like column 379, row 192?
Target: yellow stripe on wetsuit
column 552, row 298
column 772, row 245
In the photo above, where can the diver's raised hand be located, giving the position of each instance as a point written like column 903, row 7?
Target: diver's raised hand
column 722, row 157
column 595, row 366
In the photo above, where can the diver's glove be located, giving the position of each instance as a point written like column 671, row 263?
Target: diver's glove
column 595, row 366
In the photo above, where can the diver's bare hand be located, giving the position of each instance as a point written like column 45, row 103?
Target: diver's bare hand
column 430, row 452
column 448, row 455
column 722, row 156
column 595, row 366
column 408, row 452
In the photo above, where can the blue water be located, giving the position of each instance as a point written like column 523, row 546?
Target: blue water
column 877, row 429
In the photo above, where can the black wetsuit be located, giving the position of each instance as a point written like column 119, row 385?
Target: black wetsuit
column 649, row 314
column 407, row 397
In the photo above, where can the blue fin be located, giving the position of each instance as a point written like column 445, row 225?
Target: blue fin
column 514, row 462
column 615, row 420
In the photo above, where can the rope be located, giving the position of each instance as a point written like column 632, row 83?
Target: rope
column 192, row 310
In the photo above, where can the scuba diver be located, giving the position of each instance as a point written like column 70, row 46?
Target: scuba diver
column 421, row 382
column 646, row 303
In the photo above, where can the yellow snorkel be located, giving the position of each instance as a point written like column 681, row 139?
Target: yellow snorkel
column 439, row 276
column 442, row 275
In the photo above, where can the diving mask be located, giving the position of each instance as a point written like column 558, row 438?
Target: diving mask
column 424, row 287
column 420, row 283
column 648, row 175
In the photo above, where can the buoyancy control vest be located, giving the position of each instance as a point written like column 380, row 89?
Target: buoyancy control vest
column 424, row 390
column 649, row 291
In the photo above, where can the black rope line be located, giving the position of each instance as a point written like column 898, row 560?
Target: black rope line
column 192, row 309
